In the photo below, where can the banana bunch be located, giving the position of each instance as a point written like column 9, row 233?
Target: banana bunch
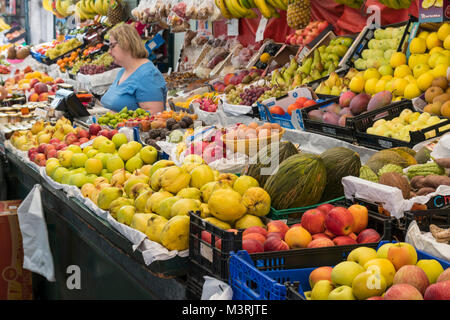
column 3, row 25
column 232, row 9
column 88, row 9
column 60, row 8
column 356, row 4
column 397, row 4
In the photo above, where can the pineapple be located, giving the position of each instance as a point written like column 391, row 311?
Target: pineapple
column 115, row 12
column 298, row 13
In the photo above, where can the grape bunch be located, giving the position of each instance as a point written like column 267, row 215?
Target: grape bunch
column 233, row 96
column 275, row 92
column 251, row 95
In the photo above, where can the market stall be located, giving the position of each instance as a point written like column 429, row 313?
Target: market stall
column 298, row 155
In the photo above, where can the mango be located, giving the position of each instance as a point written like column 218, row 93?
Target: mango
column 359, row 103
column 379, row 100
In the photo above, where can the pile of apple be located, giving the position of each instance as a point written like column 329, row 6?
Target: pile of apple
column 390, row 273
column 77, row 137
column 304, row 36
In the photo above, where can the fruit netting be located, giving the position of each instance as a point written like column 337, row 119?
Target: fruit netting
column 344, row 19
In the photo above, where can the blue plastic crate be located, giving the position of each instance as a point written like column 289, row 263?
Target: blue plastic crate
column 154, row 43
column 249, row 283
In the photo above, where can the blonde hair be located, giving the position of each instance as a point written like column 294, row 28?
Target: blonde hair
column 128, row 39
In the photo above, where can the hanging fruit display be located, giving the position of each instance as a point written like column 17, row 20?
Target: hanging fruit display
column 231, row 9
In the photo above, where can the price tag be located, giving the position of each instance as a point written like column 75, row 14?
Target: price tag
column 261, row 28
column 303, row 53
column 233, row 27
column 41, row 113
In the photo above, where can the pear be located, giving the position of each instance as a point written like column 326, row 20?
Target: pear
column 155, row 199
column 107, row 196
column 137, row 189
column 190, row 193
column 125, row 214
column 174, row 179
column 132, row 181
column 165, row 206
column 141, row 200
column 118, row 203
column 155, row 225
column 139, row 221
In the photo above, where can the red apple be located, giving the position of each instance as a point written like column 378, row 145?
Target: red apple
column 111, row 133
column 255, row 236
column 206, row 236
column 339, row 221
column 40, row 87
column 83, row 140
column 343, row 241
column 368, row 236
column 51, row 153
column 61, row 146
column 438, row 291
column 31, row 151
column 48, row 148
column 402, row 291
column 360, row 217
column 252, row 245
column 277, row 226
column 41, row 148
column 33, row 82
column 94, row 129
column 326, row 207
column 320, row 242
column 321, row 273
column 353, row 236
column 82, row 133
column 55, row 141
column 104, row 132
column 414, row 276
column 319, row 235
column 275, row 244
column 313, row 220
column 444, row 276
column 70, row 138
column 43, row 96
column 59, row 80
column 255, row 229
column 40, row 159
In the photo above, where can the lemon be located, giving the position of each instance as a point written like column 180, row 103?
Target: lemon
column 433, row 41
column 418, row 45
column 424, row 81
column 447, row 42
column 357, row 84
column 369, row 86
column 265, row 57
column 412, row 91
column 371, row 73
column 402, row 71
column 423, row 35
column 399, row 86
column 397, row 59
column 443, row 31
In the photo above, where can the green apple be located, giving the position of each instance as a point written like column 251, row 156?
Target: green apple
column 321, row 290
column 78, row 179
column 431, row 267
column 99, row 141
column 342, row 293
column 113, row 163
column 344, row 273
column 91, row 153
column 148, row 154
column 420, row 69
column 361, row 255
column 119, row 139
column 74, row 148
column 136, row 145
column 65, row 158
column 368, row 284
column 386, row 70
column 90, row 178
column 78, row 160
column 58, row 173
column 107, row 147
column 127, row 151
column 134, row 163
column 383, row 250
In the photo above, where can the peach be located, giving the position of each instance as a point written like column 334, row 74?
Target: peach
column 321, row 273
column 33, row 97
column 206, row 236
column 326, row 207
column 277, row 226
column 314, row 221
column 343, row 241
column 339, row 221
column 319, row 235
column 368, row 236
column 414, row 276
column 360, row 217
column 353, row 236
column 438, row 291
column 321, row 242
column 252, row 246
column 255, row 236
column 297, row 237
column 43, row 96
column 276, row 235
column 402, row 291
column 444, row 276
column 255, row 229
column 275, row 244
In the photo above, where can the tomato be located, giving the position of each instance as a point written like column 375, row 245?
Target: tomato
column 309, row 103
column 277, row 110
column 292, row 107
column 300, row 101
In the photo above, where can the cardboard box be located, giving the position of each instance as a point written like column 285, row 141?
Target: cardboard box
column 15, row 282
column 434, row 13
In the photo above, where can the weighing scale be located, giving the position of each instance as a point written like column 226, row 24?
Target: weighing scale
column 67, row 102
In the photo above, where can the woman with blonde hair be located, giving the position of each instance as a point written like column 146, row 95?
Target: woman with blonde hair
column 139, row 83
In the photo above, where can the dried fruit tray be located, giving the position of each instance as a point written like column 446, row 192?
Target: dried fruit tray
column 388, row 113
column 284, row 274
column 367, row 34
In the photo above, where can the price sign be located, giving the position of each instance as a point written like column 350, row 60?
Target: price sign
column 261, row 28
column 233, row 27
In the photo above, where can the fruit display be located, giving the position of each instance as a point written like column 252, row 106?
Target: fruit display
column 350, row 105
column 408, row 121
column 119, row 119
column 269, row 51
column 100, row 64
column 391, row 272
column 303, row 37
column 380, row 48
column 231, row 80
column 438, row 98
column 88, row 9
column 60, row 8
column 356, row 4
column 62, row 48
column 252, row 94
column 68, row 62
column 299, row 103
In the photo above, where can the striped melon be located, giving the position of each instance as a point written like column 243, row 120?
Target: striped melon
column 299, row 182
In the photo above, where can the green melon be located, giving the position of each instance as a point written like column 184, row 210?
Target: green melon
column 339, row 162
column 299, row 182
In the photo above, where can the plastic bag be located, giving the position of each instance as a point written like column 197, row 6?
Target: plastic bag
column 425, row 241
column 36, row 249
column 214, row 289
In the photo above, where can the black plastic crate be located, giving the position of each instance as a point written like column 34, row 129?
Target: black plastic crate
column 424, row 218
column 388, row 113
column 206, row 258
column 331, row 130
column 368, row 34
